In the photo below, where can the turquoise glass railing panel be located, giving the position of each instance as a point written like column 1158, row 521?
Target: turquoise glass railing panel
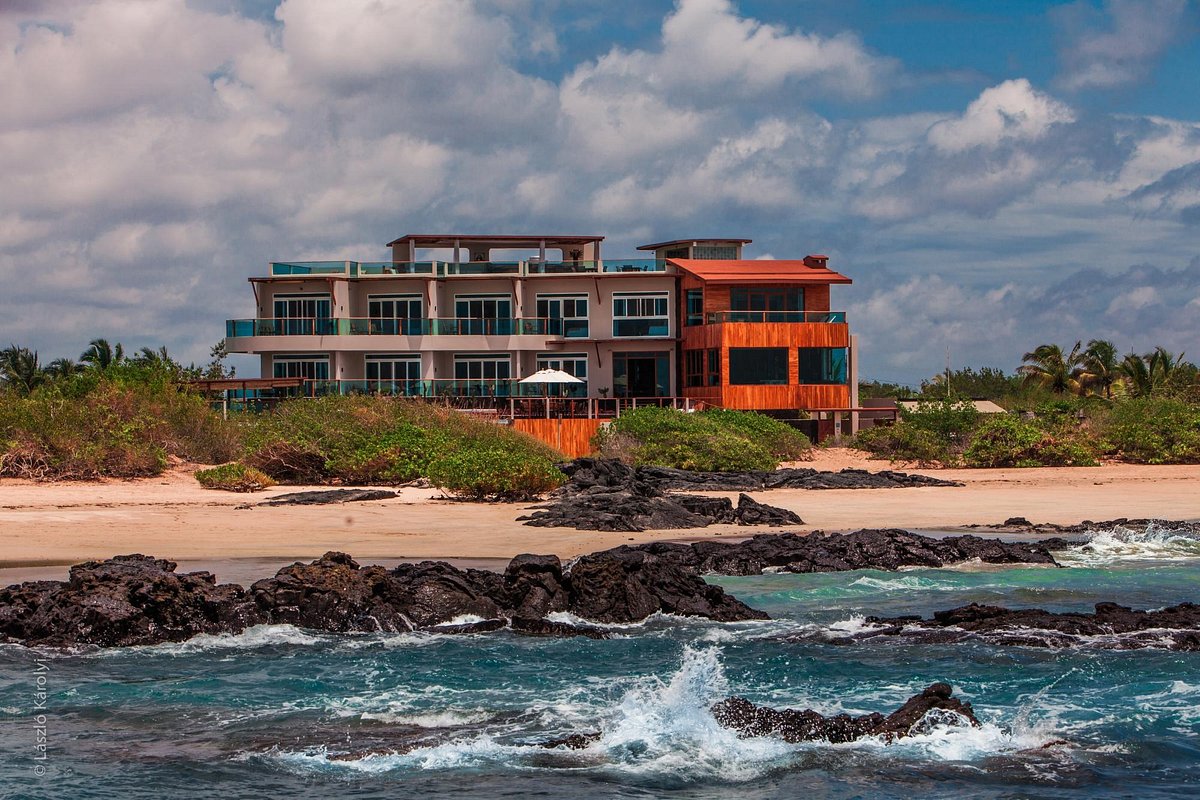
column 310, row 267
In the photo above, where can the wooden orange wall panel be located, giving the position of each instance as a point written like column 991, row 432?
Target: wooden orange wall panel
column 571, row 437
column 785, row 397
column 785, row 334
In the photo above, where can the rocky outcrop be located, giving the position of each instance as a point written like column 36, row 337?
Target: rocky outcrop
column 608, row 495
column 126, row 600
column 590, row 472
column 131, row 600
column 320, row 497
column 1076, row 533
column 628, row 584
column 1110, row 626
column 794, row 726
column 887, row 549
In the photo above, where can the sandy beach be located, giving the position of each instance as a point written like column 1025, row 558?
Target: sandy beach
column 47, row 526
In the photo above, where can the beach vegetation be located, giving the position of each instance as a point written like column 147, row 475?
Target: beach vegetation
column 234, row 477
column 711, row 440
column 371, row 440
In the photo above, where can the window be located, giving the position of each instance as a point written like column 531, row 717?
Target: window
column 313, row 368
column 641, row 374
column 714, row 367
column 695, row 307
column 823, row 365
column 756, row 303
column 641, row 314
column 482, row 374
column 714, row 251
column 758, row 366
column 693, row 368
column 303, row 315
column 483, row 314
column 571, row 311
column 571, row 363
column 395, row 314
column 396, row 373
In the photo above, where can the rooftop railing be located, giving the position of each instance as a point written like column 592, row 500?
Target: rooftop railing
column 384, row 269
column 394, row 326
column 717, row 317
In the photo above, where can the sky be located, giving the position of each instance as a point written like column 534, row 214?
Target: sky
column 992, row 175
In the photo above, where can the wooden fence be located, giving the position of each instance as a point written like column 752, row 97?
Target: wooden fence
column 571, row 437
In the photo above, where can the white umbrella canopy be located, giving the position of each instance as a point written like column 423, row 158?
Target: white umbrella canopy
column 550, row 376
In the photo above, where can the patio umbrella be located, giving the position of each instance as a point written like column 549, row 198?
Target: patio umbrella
column 550, row 376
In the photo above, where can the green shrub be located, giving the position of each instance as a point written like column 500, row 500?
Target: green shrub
column 487, row 471
column 1005, row 440
column 902, row 442
column 950, row 421
column 94, row 426
column 1153, row 431
column 714, row 440
column 233, row 477
column 387, row 440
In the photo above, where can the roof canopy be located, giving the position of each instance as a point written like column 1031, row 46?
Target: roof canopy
column 756, row 271
column 441, row 240
column 715, row 240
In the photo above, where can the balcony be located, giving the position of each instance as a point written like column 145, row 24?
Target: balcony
column 635, row 265
column 368, row 326
column 718, row 317
column 392, row 269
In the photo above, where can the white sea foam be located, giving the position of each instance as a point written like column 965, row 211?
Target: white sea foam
column 904, row 583
column 1154, row 542
column 663, row 728
column 249, row 639
column 435, row 719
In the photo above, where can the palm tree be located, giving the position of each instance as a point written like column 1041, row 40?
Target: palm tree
column 20, row 369
column 1100, row 365
column 62, row 368
column 149, row 357
column 1139, row 381
column 1048, row 367
column 101, row 355
column 1147, row 373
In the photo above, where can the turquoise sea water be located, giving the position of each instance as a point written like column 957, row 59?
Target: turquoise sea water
column 275, row 711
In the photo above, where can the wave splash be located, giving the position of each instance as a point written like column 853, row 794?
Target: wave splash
column 1153, row 543
column 663, row 730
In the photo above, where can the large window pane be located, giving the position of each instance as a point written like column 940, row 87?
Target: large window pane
column 753, row 366
column 823, row 365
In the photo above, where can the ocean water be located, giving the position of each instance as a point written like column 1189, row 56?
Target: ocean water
column 282, row 712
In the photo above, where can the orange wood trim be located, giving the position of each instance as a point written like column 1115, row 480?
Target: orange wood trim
column 571, row 437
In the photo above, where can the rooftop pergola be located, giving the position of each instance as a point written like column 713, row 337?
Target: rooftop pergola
column 477, row 242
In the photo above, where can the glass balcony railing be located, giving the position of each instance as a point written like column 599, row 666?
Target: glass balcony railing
column 366, row 326
column 482, row 268
column 382, row 269
column 641, row 326
column 635, row 265
column 311, row 267
column 561, row 267
column 369, row 269
column 717, row 317
column 442, row 388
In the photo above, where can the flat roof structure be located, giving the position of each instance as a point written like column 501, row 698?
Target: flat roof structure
column 673, row 242
column 757, row 271
column 443, row 240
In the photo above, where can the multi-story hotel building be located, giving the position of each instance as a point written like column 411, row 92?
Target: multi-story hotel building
column 690, row 319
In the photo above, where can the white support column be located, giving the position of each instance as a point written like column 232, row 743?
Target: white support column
column 853, row 384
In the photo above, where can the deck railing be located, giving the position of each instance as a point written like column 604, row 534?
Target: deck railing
column 505, row 399
column 399, row 269
column 718, row 317
column 395, row 326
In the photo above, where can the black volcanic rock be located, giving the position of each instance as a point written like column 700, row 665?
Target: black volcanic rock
column 136, row 599
column 1111, row 626
column 590, row 472
column 887, row 549
column 319, row 497
column 794, row 726
column 126, row 600
column 608, row 495
column 628, row 584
